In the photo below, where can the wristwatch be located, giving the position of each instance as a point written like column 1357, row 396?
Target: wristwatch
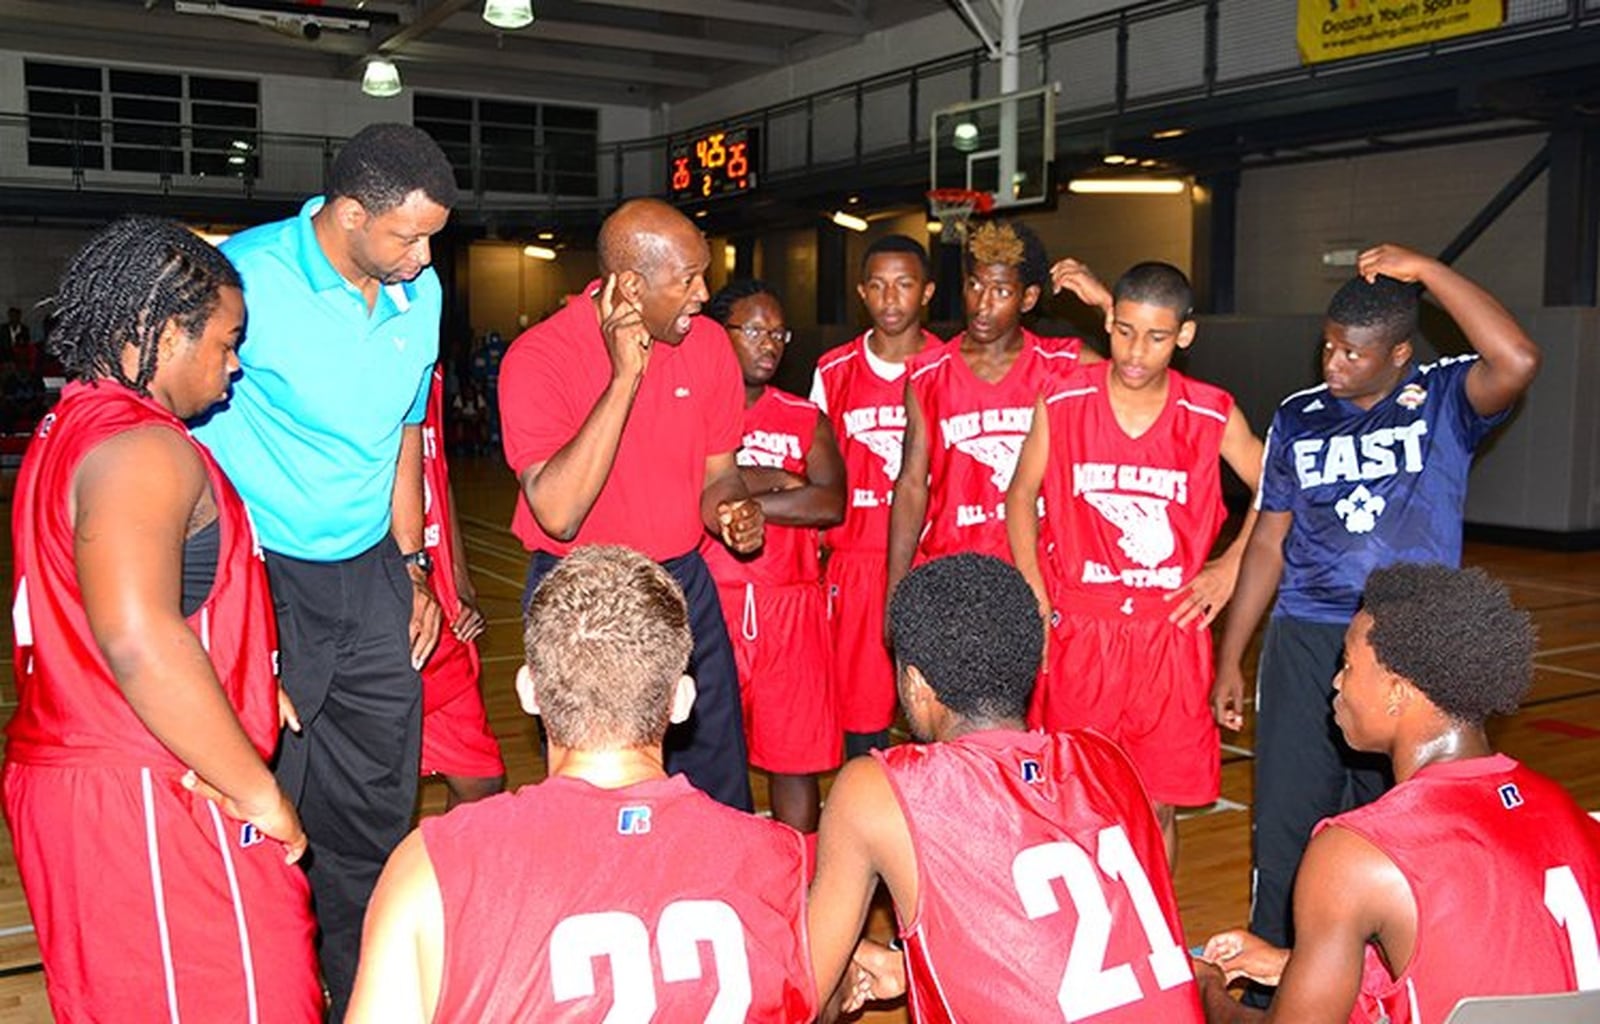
column 419, row 560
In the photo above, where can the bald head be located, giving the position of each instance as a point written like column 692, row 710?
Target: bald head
column 658, row 259
column 642, row 234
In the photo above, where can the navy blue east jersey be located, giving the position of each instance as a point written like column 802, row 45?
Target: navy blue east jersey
column 1369, row 488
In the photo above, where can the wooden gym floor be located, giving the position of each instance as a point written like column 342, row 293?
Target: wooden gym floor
column 1556, row 732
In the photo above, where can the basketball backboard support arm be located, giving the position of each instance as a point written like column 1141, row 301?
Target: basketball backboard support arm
column 1005, row 48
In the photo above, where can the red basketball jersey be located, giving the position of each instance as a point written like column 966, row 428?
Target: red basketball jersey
column 440, row 687
column 1043, row 891
column 1505, row 868
column 650, row 902
column 69, row 707
column 975, row 430
column 869, row 421
column 778, row 431
column 1126, row 517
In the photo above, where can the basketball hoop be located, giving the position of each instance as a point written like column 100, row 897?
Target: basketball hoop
column 954, row 207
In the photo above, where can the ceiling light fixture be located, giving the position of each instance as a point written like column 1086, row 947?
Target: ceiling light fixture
column 1113, row 159
column 964, row 137
column 381, row 79
column 538, row 252
column 1126, row 186
column 1170, row 133
column 547, row 236
column 508, row 14
column 849, row 220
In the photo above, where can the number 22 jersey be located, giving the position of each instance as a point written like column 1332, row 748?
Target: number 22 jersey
column 1042, row 884
column 565, row 902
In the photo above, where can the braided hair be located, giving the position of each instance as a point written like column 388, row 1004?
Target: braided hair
column 123, row 288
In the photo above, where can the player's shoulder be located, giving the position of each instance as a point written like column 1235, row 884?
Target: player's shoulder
column 1076, row 385
column 1066, row 348
column 1198, row 398
column 791, row 402
column 839, row 357
column 931, row 362
column 744, row 833
column 1306, row 404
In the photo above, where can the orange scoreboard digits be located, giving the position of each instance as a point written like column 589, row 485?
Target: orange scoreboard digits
column 714, row 163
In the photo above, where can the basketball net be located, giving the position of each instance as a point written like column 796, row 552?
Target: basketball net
column 953, row 209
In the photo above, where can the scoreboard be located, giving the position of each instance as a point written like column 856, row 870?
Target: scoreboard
column 714, row 163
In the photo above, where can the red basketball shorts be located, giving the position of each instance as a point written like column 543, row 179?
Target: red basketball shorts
column 456, row 739
column 1143, row 682
column 152, row 905
column 862, row 671
column 780, row 645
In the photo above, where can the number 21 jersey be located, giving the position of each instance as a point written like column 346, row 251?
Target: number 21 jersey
column 1043, row 891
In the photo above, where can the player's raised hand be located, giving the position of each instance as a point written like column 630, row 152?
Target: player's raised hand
column 1394, row 261
column 1240, row 954
column 1076, row 277
column 1227, row 697
column 743, row 525
column 277, row 820
column 628, row 340
column 1201, row 599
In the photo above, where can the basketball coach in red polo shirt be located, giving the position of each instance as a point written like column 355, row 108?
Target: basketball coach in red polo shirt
column 621, row 415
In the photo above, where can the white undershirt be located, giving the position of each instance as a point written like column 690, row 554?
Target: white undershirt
column 879, row 365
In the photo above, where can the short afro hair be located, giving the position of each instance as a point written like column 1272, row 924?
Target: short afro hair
column 384, row 163
column 1386, row 304
column 720, row 308
column 897, row 244
column 1156, row 284
column 1011, row 243
column 1455, row 634
column 970, row 624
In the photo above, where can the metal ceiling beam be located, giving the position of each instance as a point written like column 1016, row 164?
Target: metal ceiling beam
column 430, row 19
column 654, row 42
column 745, row 11
column 527, row 60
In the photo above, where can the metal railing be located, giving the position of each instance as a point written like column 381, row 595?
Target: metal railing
column 1140, row 58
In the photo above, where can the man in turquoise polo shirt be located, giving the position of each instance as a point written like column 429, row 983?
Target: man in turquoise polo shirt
column 323, row 439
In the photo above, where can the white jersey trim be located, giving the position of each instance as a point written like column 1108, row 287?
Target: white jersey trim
column 246, row 957
column 153, row 851
column 1202, row 410
column 1074, row 393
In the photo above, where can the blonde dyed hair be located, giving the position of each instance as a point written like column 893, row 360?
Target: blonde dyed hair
column 607, row 637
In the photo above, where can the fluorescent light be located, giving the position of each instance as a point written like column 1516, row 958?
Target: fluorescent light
column 241, row 145
column 547, row 236
column 538, row 252
column 1169, row 133
column 381, row 78
column 965, row 137
column 1126, row 186
column 1113, row 159
column 236, row 160
column 849, row 220
column 508, row 14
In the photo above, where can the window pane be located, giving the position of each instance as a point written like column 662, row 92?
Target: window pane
column 60, row 154
column 571, row 117
column 495, row 112
column 453, row 108
column 227, row 90
column 61, row 76
column 219, row 114
column 145, row 83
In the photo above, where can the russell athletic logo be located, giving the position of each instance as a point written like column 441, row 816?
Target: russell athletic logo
column 633, row 821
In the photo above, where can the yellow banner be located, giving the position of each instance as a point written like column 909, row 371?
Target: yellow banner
column 1335, row 29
